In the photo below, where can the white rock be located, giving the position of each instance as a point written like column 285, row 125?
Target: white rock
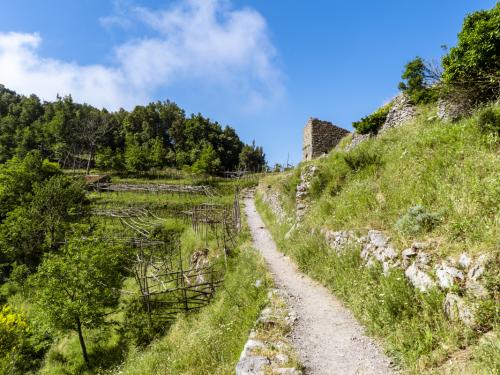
column 447, row 275
column 423, row 259
column 464, row 260
column 418, row 278
column 252, row 365
column 377, row 238
column 456, row 309
column 419, row 245
column 473, row 284
column 281, row 358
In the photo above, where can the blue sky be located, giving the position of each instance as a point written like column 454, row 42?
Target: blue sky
column 261, row 66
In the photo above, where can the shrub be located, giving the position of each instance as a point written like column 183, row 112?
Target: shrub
column 418, row 78
column 489, row 120
column 372, row 123
column 417, row 220
column 474, row 64
column 362, row 157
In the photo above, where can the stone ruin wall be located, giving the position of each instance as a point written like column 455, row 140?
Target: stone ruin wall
column 320, row 137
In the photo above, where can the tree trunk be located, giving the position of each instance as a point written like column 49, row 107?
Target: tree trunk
column 89, row 160
column 82, row 342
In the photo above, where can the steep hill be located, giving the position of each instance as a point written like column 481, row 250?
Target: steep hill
column 405, row 229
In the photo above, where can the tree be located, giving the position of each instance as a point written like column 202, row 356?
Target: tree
column 207, row 162
column 252, row 158
column 474, row 63
column 76, row 287
column 418, row 78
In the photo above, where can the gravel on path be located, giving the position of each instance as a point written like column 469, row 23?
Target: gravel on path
column 327, row 337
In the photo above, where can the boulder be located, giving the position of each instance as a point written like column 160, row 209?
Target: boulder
column 419, row 279
column 448, row 276
column 456, row 309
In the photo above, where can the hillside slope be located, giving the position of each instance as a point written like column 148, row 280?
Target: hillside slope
column 405, row 228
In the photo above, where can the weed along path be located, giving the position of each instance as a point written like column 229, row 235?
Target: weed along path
column 327, row 337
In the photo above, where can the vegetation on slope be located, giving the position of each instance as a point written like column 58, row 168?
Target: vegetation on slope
column 426, row 181
column 154, row 136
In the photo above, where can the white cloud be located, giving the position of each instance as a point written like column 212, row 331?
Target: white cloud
column 196, row 41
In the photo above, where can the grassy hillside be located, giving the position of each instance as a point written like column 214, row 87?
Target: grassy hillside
column 427, row 181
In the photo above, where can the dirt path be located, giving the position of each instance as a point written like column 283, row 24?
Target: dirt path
column 327, row 337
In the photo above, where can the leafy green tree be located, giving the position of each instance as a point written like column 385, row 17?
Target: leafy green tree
column 418, row 78
column 252, row 158
column 17, row 178
column 208, row 161
column 76, row 287
column 136, row 156
column 475, row 61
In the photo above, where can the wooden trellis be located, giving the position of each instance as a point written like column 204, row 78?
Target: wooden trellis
column 169, row 287
column 153, row 188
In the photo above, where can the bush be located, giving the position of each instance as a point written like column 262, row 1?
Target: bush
column 362, row 157
column 489, row 120
column 417, row 220
column 372, row 123
column 474, row 64
column 418, row 78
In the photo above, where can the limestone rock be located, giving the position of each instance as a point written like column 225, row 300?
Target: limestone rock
column 465, row 260
column 473, row 284
column 420, row 280
column 250, row 364
column 448, row 276
column 402, row 111
column 377, row 238
column 456, row 309
column 287, row 371
column 254, row 365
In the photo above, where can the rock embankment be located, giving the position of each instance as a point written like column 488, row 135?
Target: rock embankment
column 461, row 277
column 268, row 350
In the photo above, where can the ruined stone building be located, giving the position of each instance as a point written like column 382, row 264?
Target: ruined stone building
column 320, row 137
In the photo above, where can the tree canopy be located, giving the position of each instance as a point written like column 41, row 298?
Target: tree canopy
column 75, row 135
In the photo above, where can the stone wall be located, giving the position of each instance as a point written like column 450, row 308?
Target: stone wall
column 320, row 137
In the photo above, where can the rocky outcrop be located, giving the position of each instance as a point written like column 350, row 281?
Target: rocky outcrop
column 452, row 111
column 270, row 354
column 272, row 199
column 302, row 195
column 356, row 140
column 422, row 272
column 402, row 110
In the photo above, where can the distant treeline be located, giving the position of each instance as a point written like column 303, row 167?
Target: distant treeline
column 157, row 135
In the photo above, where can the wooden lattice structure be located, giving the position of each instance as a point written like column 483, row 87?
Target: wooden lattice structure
column 169, row 286
column 153, row 188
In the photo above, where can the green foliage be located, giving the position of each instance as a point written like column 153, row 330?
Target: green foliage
column 489, row 120
column 21, row 350
column 42, row 219
column 252, row 158
column 475, row 62
column 362, row 157
column 75, row 288
column 372, row 123
column 157, row 135
column 137, row 329
column 208, row 161
column 418, row 78
column 417, row 220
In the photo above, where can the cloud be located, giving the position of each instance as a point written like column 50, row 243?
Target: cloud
column 197, row 42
